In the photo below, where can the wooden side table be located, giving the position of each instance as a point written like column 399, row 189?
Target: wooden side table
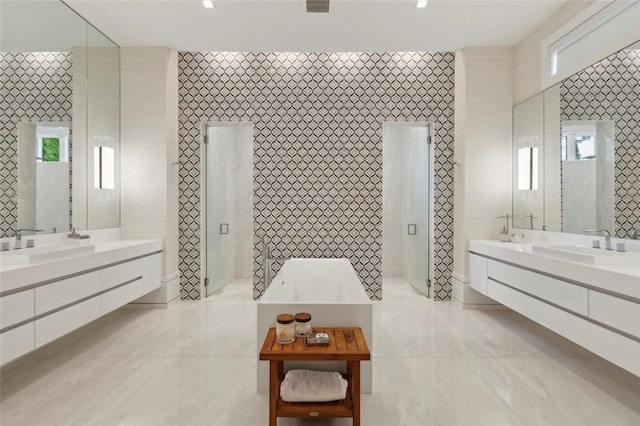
column 345, row 344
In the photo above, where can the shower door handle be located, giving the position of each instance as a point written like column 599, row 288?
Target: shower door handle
column 411, row 229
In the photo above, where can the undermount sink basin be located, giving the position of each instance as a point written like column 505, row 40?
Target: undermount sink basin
column 44, row 253
column 588, row 255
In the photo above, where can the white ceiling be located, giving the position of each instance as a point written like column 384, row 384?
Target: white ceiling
column 284, row 25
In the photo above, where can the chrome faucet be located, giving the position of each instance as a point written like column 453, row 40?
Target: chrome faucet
column 266, row 263
column 74, row 235
column 19, row 236
column 531, row 217
column 607, row 236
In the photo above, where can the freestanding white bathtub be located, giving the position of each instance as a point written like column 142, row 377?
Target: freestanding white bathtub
column 330, row 290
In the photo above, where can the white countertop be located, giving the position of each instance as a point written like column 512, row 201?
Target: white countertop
column 108, row 252
column 618, row 279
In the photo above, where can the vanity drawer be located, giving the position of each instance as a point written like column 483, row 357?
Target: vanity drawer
column 478, row 273
column 61, row 293
column 515, row 277
column 16, row 342
column 561, row 293
column 120, row 296
column 614, row 347
column 564, row 323
column 152, row 273
column 507, row 296
column 16, row 307
column 618, row 313
column 58, row 324
column 119, row 274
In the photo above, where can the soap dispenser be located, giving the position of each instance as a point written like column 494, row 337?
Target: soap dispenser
column 504, row 234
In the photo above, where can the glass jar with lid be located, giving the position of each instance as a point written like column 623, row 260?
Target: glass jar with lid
column 285, row 329
column 303, row 324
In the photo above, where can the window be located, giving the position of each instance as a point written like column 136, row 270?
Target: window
column 52, row 149
column 599, row 30
column 578, row 147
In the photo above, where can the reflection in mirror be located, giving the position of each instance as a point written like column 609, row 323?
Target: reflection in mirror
column 103, row 130
column 528, row 137
column 552, row 220
column 527, row 169
column 587, row 175
column 591, row 154
column 37, row 65
column 96, row 113
column 43, row 176
column 70, row 75
column 605, row 97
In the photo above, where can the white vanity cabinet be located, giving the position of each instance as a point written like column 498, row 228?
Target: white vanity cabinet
column 16, row 307
column 561, row 293
column 59, row 323
column 601, row 319
column 34, row 313
column 615, row 312
column 65, row 292
column 507, row 296
column 504, row 273
column 478, row 273
column 16, row 342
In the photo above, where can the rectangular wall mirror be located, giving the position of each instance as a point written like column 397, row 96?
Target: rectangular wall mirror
column 60, row 98
column 589, row 151
column 528, row 139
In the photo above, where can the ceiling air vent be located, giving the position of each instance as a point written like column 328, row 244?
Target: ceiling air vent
column 317, row 6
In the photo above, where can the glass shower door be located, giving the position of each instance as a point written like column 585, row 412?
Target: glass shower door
column 417, row 206
column 217, row 218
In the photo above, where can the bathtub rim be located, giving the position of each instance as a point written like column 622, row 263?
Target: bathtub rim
column 365, row 300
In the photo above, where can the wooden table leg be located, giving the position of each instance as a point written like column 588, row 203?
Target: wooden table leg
column 353, row 372
column 276, row 369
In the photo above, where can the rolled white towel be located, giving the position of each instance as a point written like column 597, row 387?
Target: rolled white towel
column 313, row 386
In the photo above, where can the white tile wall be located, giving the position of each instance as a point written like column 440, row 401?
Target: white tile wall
column 483, row 147
column 527, row 60
column 149, row 148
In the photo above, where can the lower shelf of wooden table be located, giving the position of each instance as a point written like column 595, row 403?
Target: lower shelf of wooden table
column 342, row 408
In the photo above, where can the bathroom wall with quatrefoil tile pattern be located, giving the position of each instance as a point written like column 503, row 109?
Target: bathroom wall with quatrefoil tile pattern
column 36, row 87
column 608, row 90
column 317, row 121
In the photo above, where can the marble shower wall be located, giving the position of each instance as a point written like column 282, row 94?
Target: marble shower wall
column 317, row 150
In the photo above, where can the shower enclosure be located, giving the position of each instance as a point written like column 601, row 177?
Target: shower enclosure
column 227, row 203
column 407, row 216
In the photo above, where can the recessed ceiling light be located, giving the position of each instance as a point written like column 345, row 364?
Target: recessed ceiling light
column 422, row 3
column 208, row 4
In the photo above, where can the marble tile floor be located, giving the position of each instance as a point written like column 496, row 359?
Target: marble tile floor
column 434, row 364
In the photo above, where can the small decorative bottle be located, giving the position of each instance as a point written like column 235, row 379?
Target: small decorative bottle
column 303, row 324
column 285, row 329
